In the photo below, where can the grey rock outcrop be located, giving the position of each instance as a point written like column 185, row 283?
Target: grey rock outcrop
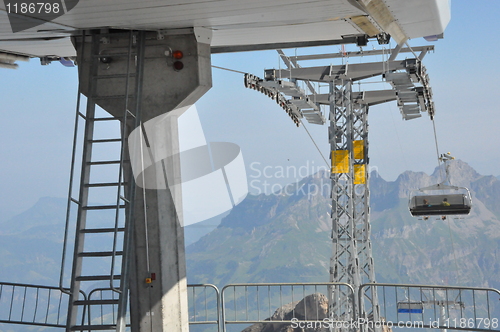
column 312, row 308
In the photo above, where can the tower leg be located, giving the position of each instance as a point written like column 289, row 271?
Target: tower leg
column 351, row 260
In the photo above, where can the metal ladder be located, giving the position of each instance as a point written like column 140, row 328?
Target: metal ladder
column 102, row 231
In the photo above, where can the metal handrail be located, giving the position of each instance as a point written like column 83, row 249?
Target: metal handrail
column 218, row 307
column 38, row 314
column 114, row 309
column 280, row 285
column 71, row 178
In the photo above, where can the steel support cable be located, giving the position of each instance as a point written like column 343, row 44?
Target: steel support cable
column 144, row 204
column 124, row 134
column 233, row 70
column 314, row 142
column 308, row 133
column 142, row 134
column 448, row 220
column 453, row 250
column 437, row 149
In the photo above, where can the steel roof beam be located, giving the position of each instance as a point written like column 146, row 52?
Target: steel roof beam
column 369, row 98
column 354, row 72
column 274, row 46
column 361, row 53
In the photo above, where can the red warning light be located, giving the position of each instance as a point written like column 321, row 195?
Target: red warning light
column 177, row 55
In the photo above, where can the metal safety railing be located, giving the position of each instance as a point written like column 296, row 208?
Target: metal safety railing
column 281, row 303
column 102, row 308
column 48, row 306
column 400, row 305
column 204, row 305
column 33, row 305
column 438, row 307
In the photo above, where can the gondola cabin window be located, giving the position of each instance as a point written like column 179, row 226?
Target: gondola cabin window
column 444, row 204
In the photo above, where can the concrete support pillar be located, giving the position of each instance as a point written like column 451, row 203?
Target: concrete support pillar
column 159, row 92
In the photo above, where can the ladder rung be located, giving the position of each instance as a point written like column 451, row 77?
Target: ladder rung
column 97, row 278
column 101, row 230
column 107, row 140
column 107, row 162
column 103, row 207
column 105, row 184
column 126, row 200
column 96, row 302
column 131, row 114
column 109, row 118
column 100, row 254
column 93, row 328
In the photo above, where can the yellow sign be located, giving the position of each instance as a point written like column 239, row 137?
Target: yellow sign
column 340, row 161
column 359, row 149
column 359, row 174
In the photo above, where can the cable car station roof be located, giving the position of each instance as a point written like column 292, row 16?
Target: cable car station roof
column 236, row 25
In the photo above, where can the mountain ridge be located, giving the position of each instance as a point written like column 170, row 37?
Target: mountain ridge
column 280, row 237
column 403, row 246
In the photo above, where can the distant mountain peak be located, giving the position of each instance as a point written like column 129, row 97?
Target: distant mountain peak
column 461, row 173
column 47, row 211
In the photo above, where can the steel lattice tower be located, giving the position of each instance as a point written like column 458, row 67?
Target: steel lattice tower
column 351, row 261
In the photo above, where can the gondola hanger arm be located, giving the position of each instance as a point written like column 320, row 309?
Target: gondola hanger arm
column 440, row 186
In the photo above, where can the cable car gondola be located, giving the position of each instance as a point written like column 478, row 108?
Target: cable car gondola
column 440, row 199
column 450, row 201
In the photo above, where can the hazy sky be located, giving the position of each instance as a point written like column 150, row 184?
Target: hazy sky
column 38, row 106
